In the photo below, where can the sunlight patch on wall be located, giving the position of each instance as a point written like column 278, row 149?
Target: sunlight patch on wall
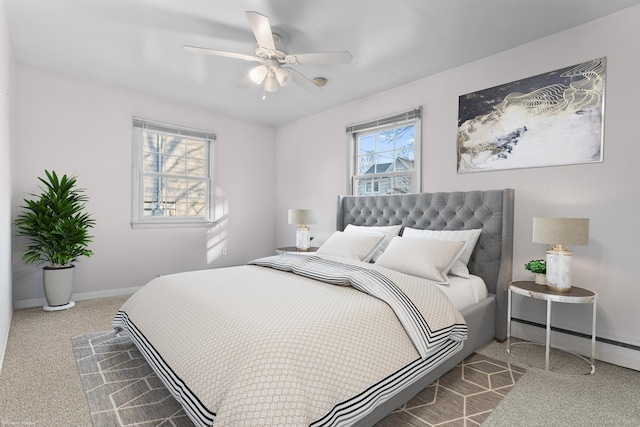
column 216, row 236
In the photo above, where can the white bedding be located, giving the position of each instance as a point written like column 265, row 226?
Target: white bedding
column 256, row 346
column 463, row 292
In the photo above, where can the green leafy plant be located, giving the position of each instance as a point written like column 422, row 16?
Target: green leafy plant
column 536, row 266
column 55, row 224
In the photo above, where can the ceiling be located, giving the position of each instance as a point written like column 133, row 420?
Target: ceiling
column 136, row 44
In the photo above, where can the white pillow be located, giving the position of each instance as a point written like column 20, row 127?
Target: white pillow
column 428, row 258
column 389, row 231
column 469, row 237
column 360, row 246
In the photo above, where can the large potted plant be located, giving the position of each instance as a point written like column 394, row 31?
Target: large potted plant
column 57, row 230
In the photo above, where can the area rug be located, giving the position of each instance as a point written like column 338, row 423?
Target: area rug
column 122, row 389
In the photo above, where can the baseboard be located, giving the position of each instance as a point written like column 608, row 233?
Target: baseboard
column 39, row 302
column 615, row 354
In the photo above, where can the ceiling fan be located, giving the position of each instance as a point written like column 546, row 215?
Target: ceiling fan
column 275, row 65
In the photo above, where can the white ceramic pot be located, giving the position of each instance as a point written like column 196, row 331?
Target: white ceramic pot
column 58, row 285
column 541, row 279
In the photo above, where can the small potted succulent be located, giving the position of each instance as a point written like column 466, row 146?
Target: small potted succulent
column 539, row 268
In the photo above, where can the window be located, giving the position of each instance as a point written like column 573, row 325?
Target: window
column 385, row 155
column 172, row 172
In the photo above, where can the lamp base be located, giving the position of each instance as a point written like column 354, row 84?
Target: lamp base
column 559, row 270
column 302, row 238
column 558, row 289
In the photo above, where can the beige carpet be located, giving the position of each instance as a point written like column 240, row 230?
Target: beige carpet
column 122, row 389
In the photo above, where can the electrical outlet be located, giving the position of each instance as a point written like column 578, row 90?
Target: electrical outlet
column 224, row 251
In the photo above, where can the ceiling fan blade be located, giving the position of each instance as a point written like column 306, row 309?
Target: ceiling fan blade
column 261, row 29
column 299, row 79
column 340, row 57
column 221, row 53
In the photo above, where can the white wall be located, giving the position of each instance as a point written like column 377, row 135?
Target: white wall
column 6, row 73
column 84, row 129
column 312, row 162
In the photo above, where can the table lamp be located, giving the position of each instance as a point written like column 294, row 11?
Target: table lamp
column 560, row 232
column 302, row 217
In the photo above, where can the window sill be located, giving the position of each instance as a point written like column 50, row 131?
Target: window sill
column 173, row 224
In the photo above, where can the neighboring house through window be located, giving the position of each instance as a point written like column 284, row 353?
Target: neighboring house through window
column 384, row 155
column 172, row 175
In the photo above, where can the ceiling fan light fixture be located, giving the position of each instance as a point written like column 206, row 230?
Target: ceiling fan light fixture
column 284, row 76
column 258, row 74
column 271, row 84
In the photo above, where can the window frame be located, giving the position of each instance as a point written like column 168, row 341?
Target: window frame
column 353, row 131
column 138, row 219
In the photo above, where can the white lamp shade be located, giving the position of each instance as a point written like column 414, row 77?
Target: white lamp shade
column 284, row 76
column 271, row 84
column 258, row 74
column 303, row 216
column 562, row 231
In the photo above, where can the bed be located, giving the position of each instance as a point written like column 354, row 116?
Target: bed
column 324, row 339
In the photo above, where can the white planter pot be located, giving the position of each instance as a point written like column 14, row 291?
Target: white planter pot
column 541, row 278
column 58, row 286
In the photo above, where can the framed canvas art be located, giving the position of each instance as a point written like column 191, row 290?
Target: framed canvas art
column 551, row 119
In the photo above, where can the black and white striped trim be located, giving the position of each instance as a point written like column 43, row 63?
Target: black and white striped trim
column 197, row 412
column 348, row 412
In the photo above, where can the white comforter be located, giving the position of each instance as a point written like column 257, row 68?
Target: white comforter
column 257, row 345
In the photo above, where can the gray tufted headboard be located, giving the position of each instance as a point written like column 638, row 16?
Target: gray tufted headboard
column 491, row 210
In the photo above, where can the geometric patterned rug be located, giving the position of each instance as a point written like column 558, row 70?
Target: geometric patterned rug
column 465, row 396
column 121, row 387
column 123, row 390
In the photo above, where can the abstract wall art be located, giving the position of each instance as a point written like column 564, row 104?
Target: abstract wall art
column 551, row 119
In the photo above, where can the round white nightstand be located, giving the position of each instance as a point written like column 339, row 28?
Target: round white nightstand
column 575, row 296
